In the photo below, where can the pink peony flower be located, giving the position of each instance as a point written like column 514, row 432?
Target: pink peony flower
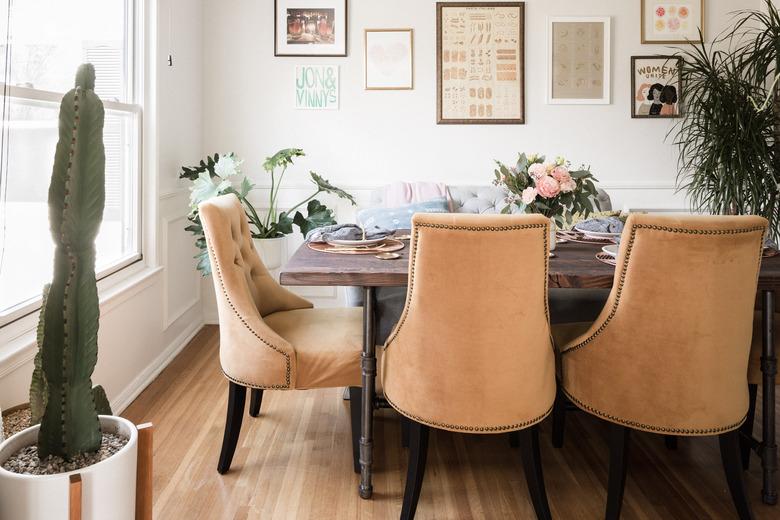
column 537, row 170
column 548, row 187
column 569, row 185
column 561, row 174
column 529, row 195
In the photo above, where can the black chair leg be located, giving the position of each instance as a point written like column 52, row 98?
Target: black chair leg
column 404, row 431
column 671, row 442
column 418, row 453
column 732, row 465
column 747, row 428
column 355, row 401
column 559, row 419
column 235, row 414
column 532, row 467
column 255, row 401
column 514, row 439
column 619, row 437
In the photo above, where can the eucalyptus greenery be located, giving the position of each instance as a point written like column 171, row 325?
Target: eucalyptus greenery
column 221, row 175
column 729, row 134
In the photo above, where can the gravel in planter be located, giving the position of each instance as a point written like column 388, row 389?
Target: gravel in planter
column 26, row 461
column 16, row 421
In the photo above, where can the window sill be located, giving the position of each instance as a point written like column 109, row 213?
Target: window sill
column 17, row 339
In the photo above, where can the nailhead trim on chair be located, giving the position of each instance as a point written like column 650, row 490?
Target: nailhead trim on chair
column 472, row 429
column 285, row 386
column 624, row 269
column 659, row 429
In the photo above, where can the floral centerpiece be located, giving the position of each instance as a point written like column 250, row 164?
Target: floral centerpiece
column 551, row 188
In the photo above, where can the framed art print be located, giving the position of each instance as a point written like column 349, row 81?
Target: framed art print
column 389, row 59
column 480, row 62
column 672, row 21
column 310, row 28
column 578, row 61
column 656, row 87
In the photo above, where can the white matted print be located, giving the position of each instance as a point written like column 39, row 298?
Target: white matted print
column 672, row 21
column 317, row 87
column 389, row 59
column 578, row 61
column 310, row 28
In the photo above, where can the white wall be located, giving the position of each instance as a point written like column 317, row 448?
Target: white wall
column 149, row 312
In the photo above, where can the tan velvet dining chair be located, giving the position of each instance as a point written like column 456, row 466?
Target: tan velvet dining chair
column 472, row 352
column 270, row 338
column 669, row 352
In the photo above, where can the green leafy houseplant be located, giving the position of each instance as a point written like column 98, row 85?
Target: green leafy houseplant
column 221, row 174
column 729, row 135
column 61, row 394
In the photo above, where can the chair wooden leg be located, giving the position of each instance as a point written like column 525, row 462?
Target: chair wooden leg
column 747, row 428
column 255, row 401
column 235, row 414
column 559, row 419
column 619, row 437
column 418, row 452
column 355, row 403
column 532, row 467
column 732, row 465
column 404, row 431
column 671, row 442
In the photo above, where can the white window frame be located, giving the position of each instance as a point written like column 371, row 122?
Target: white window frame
column 46, row 98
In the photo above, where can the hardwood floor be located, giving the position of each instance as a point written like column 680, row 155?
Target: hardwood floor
column 294, row 461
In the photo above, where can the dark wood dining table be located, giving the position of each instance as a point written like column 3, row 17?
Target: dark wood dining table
column 574, row 266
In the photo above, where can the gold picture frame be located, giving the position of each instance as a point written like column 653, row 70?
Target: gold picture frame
column 399, row 70
column 667, row 19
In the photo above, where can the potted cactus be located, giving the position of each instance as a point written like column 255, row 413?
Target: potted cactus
column 36, row 464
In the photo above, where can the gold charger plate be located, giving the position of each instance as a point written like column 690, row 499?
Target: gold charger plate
column 388, row 246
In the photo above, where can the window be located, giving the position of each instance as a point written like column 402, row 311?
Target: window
column 42, row 43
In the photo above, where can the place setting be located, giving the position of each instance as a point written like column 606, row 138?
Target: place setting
column 602, row 231
column 352, row 239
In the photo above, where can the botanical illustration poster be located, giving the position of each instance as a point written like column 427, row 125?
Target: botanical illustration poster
column 317, row 87
column 578, row 61
column 673, row 21
column 311, row 27
column 656, row 86
column 389, row 62
column 481, row 59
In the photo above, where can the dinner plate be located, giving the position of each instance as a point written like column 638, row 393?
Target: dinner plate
column 357, row 243
column 596, row 234
column 611, row 250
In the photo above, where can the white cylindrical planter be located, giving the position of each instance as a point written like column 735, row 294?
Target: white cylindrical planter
column 271, row 251
column 108, row 487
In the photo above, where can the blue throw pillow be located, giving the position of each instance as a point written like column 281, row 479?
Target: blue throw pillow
column 400, row 217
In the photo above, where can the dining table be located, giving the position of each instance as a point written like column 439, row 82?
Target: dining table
column 574, row 265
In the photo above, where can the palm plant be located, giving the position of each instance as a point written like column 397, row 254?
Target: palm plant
column 729, row 135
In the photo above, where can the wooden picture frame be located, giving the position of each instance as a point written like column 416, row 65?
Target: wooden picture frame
column 400, row 70
column 304, row 28
column 648, row 9
column 579, row 69
column 663, row 103
column 497, row 96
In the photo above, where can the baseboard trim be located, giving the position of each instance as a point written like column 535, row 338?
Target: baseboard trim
column 153, row 369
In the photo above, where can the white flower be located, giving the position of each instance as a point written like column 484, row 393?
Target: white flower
column 529, row 195
column 537, row 170
column 227, row 166
column 532, row 157
column 560, row 160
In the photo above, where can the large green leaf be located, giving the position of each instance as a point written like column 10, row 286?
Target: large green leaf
column 325, row 186
column 317, row 216
column 282, row 159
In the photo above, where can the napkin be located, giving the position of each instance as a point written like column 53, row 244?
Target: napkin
column 345, row 232
column 602, row 225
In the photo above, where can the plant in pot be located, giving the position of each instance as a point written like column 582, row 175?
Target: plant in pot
column 72, row 437
column 553, row 189
column 221, row 174
column 729, row 134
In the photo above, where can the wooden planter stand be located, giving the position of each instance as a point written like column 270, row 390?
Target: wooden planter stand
column 143, row 480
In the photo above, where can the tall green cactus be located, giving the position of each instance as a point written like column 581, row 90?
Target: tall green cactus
column 68, row 346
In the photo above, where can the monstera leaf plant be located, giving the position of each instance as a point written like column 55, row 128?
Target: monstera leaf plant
column 221, row 174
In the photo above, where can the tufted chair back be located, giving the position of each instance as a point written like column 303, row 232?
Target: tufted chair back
column 669, row 352
column 251, row 352
column 472, row 350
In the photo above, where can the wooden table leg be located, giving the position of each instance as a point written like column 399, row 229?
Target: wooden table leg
column 769, row 370
column 74, row 494
column 368, row 364
column 144, row 473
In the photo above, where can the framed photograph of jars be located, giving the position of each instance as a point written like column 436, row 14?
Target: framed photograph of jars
column 310, row 28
